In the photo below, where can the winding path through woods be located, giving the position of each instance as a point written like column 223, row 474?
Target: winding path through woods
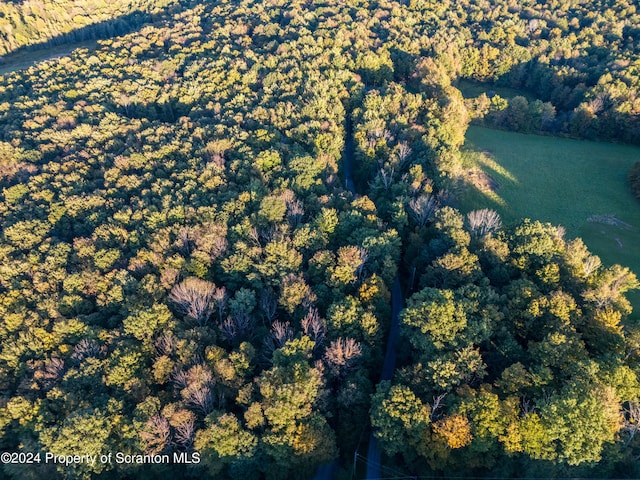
column 374, row 455
column 326, row 472
column 347, row 159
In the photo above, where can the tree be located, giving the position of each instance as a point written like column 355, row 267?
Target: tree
column 483, row 222
column 193, row 297
column 341, row 355
column 455, row 430
column 436, row 318
column 84, row 432
column 240, row 322
column 578, row 424
column 423, row 208
column 349, row 319
column 223, row 442
column 516, row 116
column 400, row 419
column 296, row 434
column 157, row 435
column 350, row 265
column 144, row 325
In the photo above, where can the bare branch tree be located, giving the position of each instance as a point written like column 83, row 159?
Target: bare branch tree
column 124, row 101
column 184, row 432
column 156, row 435
column 52, row 372
column 444, row 197
column 314, row 327
column 215, row 151
column 423, row 208
column 281, row 333
column 403, row 153
column 186, row 240
column 268, row 304
column 601, row 102
column 237, row 325
column 364, row 256
column 201, row 398
column 295, row 209
column 194, row 298
column 613, row 283
column 88, row 348
column 527, row 407
column 295, row 212
column 288, row 196
column 165, row 344
column 208, row 239
column 54, row 369
column 218, row 247
column 195, row 386
column 590, row 265
column 532, row 26
column 254, row 236
column 228, row 329
column 631, row 420
column 341, row 355
column 268, row 234
column 221, row 298
column 483, row 222
column 180, row 379
column 437, row 403
column 386, row 178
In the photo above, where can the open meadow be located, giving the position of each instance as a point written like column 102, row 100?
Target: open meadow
column 473, row 89
column 578, row 184
column 27, row 57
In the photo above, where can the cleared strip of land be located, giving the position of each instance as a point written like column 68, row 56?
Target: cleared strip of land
column 27, row 58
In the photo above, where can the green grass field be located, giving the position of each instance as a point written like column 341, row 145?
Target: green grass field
column 472, row 89
column 562, row 181
column 26, row 58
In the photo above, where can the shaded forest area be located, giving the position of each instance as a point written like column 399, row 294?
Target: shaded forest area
column 183, row 268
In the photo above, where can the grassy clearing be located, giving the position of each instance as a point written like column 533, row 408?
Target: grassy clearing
column 23, row 59
column 473, row 89
column 562, row 181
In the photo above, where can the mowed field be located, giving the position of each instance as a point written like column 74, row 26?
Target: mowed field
column 24, row 59
column 472, row 89
column 578, row 184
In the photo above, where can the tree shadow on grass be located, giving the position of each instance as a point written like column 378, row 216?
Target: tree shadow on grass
column 27, row 55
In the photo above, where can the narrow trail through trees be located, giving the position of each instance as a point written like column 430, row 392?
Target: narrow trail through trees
column 326, row 472
column 374, row 454
column 347, row 156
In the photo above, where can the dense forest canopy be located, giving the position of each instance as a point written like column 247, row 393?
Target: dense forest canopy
column 187, row 265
